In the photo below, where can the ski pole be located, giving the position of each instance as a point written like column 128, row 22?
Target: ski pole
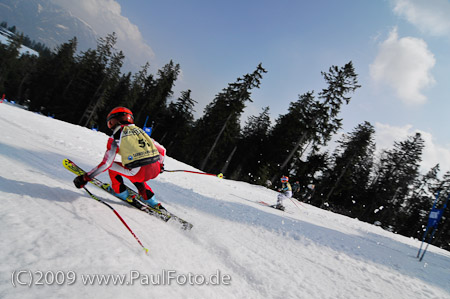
column 428, row 243
column 423, row 240
column 295, row 203
column 220, row 175
column 117, row 214
column 300, row 203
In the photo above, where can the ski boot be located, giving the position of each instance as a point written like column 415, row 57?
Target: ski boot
column 280, row 207
column 152, row 202
column 125, row 195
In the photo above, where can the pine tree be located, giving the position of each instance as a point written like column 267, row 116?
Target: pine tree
column 51, row 81
column 216, row 132
column 109, row 62
column 397, row 172
column 312, row 120
column 442, row 236
column 154, row 94
column 250, row 163
column 309, row 172
column 178, row 124
column 345, row 182
column 8, row 63
column 414, row 213
column 119, row 95
column 16, row 69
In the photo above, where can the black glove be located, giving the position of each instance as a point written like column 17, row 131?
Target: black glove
column 162, row 168
column 81, row 180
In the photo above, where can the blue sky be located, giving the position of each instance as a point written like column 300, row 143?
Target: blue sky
column 399, row 49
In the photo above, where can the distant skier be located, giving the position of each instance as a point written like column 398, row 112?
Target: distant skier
column 142, row 158
column 285, row 192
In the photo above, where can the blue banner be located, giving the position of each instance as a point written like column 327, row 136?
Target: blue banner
column 148, row 130
column 435, row 217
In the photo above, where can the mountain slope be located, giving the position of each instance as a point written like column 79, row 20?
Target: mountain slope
column 47, row 23
column 49, row 225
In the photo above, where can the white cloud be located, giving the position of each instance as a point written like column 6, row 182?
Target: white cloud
column 387, row 134
column 105, row 17
column 432, row 154
column 430, row 16
column 405, row 65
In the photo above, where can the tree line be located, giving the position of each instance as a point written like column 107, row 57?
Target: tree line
column 387, row 189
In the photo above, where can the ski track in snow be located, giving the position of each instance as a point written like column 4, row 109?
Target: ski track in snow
column 49, row 225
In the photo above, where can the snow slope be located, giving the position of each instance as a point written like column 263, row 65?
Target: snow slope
column 50, row 227
column 22, row 49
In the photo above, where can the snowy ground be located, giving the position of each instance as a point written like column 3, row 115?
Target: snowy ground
column 22, row 48
column 53, row 236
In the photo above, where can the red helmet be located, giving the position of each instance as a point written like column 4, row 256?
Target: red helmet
column 119, row 115
column 284, row 179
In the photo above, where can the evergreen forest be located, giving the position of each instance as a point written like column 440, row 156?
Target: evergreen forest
column 385, row 189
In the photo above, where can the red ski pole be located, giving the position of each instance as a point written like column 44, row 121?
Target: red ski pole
column 117, row 214
column 220, row 175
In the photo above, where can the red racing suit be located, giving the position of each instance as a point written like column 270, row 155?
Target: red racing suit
column 142, row 159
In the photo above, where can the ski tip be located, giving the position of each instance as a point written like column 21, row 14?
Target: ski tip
column 187, row 226
column 146, row 250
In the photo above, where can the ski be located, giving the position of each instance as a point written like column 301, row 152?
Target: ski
column 272, row 206
column 268, row 205
column 137, row 203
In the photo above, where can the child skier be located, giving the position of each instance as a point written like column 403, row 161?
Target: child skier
column 142, row 158
column 285, row 192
